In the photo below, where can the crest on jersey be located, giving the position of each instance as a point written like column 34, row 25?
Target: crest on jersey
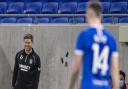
column 30, row 62
column 21, row 57
column 100, row 39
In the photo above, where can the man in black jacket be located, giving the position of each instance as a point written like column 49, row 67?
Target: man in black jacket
column 122, row 80
column 27, row 66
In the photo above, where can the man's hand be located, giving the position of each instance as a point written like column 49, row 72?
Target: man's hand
column 12, row 87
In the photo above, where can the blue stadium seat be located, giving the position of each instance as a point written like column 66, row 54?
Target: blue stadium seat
column 106, row 7
column 118, row 7
column 107, row 20
column 15, row 8
column 26, row 0
column 60, row 20
column 74, row 0
column 123, row 19
column 8, row 20
column 25, row 20
column 3, row 7
column 105, row 0
column 33, row 8
column 77, row 20
column 68, row 8
column 43, row 20
column 118, row 0
column 51, row 0
column 81, row 8
column 50, row 8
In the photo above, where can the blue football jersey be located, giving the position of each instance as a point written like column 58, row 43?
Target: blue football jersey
column 97, row 52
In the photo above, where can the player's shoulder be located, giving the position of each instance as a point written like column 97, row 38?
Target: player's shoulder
column 87, row 31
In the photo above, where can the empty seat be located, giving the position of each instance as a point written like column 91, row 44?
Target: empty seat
column 123, row 19
column 81, row 8
column 15, row 8
column 25, row 20
column 26, row 0
column 118, row 7
column 77, row 20
column 105, row 0
column 43, row 20
column 74, row 0
column 119, row 0
column 33, row 8
column 3, row 7
column 107, row 20
column 106, row 7
column 50, row 8
column 60, row 20
column 51, row 0
column 68, row 8
column 8, row 20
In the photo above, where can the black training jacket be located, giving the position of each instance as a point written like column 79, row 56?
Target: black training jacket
column 26, row 70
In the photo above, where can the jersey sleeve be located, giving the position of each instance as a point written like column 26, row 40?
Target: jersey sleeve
column 79, row 45
column 114, row 48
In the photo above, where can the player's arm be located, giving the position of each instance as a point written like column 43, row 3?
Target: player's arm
column 115, row 71
column 76, row 62
column 75, row 68
column 115, row 66
column 15, row 72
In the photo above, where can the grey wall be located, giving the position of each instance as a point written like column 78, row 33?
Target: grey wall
column 51, row 42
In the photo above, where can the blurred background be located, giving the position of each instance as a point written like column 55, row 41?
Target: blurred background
column 55, row 25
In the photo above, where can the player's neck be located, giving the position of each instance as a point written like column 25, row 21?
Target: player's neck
column 96, row 24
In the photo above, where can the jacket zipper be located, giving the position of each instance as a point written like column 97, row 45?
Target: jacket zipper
column 26, row 58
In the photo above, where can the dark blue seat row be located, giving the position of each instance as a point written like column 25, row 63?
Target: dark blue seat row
column 60, row 20
column 55, row 0
column 55, row 7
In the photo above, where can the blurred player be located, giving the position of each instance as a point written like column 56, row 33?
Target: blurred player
column 27, row 66
column 96, row 49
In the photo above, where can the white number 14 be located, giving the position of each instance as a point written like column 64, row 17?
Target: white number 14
column 100, row 60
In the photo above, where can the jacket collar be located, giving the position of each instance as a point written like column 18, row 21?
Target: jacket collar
column 30, row 53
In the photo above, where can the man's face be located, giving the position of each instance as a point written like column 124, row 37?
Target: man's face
column 90, row 15
column 122, row 81
column 121, row 77
column 27, row 44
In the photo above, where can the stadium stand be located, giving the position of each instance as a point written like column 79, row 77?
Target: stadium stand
column 25, row 20
column 43, row 20
column 33, row 8
column 81, row 7
column 60, row 20
column 123, row 19
column 115, row 11
column 77, row 20
column 15, row 8
column 8, row 20
column 106, row 7
column 68, row 8
column 118, row 7
column 50, row 8
column 3, row 7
